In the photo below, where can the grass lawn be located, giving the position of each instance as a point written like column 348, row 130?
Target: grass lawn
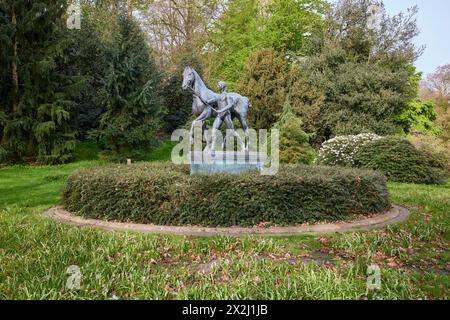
column 35, row 253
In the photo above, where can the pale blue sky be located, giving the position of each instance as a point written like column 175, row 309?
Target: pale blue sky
column 434, row 22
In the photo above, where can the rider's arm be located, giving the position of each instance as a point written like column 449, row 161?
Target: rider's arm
column 212, row 100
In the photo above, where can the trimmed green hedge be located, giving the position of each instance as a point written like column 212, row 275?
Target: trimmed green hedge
column 400, row 161
column 166, row 194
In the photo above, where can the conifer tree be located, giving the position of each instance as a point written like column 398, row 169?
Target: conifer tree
column 178, row 102
column 265, row 83
column 132, row 119
column 294, row 142
column 35, row 92
column 87, row 58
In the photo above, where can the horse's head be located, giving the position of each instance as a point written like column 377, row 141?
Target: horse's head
column 188, row 78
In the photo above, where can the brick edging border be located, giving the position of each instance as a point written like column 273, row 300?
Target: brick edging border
column 394, row 215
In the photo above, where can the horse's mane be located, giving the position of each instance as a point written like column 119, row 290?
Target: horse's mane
column 199, row 80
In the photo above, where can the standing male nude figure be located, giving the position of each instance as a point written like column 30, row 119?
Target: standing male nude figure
column 224, row 104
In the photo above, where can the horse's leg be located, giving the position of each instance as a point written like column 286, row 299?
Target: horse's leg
column 191, row 132
column 205, row 135
column 224, row 143
column 243, row 121
column 230, row 125
column 201, row 118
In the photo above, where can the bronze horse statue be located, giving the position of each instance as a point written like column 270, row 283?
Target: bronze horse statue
column 206, row 104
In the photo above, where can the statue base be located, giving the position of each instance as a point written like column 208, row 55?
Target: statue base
column 234, row 162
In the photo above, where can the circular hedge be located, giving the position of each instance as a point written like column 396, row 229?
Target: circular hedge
column 166, row 194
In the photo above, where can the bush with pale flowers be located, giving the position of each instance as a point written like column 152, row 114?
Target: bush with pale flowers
column 341, row 150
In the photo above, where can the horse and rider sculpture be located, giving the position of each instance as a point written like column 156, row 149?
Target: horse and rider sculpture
column 224, row 106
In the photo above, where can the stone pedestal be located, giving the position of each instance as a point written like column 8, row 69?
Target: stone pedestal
column 235, row 162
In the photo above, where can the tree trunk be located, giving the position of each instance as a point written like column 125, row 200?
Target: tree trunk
column 15, row 75
column 130, row 8
column 189, row 23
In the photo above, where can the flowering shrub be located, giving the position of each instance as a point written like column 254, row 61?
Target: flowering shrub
column 341, row 151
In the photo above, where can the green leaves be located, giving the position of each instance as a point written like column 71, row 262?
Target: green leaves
column 400, row 161
column 129, row 125
column 248, row 26
column 35, row 114
column 294, row 142
column 395, row 157
column 166, row 194
column 341, row 150
column 265, row 84
column 44, row 130
column 419, row 116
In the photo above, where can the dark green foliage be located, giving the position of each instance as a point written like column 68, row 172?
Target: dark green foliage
column 35, row 89
column 294, row 142
column 178, row 102
column 129, row 126
column 265, row 83
column 88, row 58
column 360, row 79
column 353, row 96
column 166, row 194
column 399, row 160
column 86, row 150
column 437, row 150
column 364, row 98
column 305, row 97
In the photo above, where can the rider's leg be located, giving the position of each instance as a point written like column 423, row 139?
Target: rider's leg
column 230, row 126
column 244, row 125
column 216, row 126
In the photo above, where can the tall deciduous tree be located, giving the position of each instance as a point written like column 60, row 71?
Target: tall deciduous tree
column 363, row 69
column 249, row 25
column 437, row 87
column 232, row 40
column 439, row 81
column 35, row 90
column 178, row 27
